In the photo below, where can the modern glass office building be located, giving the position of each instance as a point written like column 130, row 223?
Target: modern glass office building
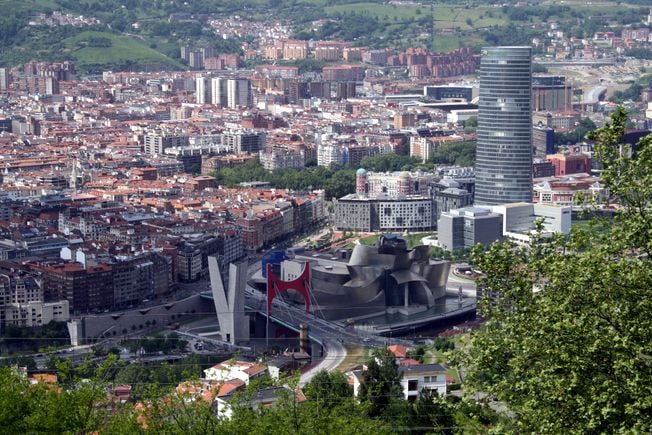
column 503, row 168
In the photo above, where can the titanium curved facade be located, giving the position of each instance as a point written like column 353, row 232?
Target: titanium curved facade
column 503, row 168
column 375, row 279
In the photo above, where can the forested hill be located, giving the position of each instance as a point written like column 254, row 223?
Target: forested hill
column 149, row 33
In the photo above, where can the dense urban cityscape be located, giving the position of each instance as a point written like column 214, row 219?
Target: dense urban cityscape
column 325, row 216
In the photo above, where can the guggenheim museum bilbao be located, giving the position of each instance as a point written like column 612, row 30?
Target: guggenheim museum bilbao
column 386, row 279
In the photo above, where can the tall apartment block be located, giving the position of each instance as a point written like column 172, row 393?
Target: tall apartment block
column 239, row 93
column 4, row 79
column 503, row 166
column 219, row 91
column 203, row 92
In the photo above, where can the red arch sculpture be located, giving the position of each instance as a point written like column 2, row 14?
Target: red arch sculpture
column 275, row 285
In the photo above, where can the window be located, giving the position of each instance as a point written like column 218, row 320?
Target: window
column 413, row 385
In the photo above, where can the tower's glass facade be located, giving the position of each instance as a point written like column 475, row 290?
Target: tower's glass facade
column 503, row 168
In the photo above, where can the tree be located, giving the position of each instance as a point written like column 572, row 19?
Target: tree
column 341, row 183
column 19, row 361
column 460, row 153
column 42, row 408
column 418, row 353
column 567, row 338
column 381, row 382
column 388, row 163
column 578, row 134
column 538, row 68
column 432, row 413
column 472, row 122
column 330, row 389
column 633, row 92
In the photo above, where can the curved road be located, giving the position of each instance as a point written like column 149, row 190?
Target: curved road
column 455, row 282
column 334, row 354
column 592, row 96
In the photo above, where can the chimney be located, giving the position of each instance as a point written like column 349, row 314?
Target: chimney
column 304, row 341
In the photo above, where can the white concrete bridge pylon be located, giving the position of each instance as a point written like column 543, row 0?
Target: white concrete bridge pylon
column 229, row 305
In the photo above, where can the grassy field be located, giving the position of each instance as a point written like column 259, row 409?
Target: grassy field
column 466, row 19
column 445, row 43
column 123, row 50
column 413, row 239
column 30, row 5
column 595, row 5
column 444, row 16
column 385, row 13
column 370, row 240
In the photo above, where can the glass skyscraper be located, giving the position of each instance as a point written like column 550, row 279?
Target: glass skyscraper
column 503, row 168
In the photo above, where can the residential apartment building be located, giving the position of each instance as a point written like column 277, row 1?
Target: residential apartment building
column 156, row 144
column 133, row 280
column 281, row 159
column 543, row 140
column 219, row 91
column 239, row 93
column 5, row 209
column 203, row 89
column 295, row 49
column 5, row 79
column 189, row 264
column 34, row 314
column 87, row 289
column 567, row 164
column 21, row 303
column 343, row 154
column 331, row 154
column 394, row 183
column 244, row 141
column 350, row 73
column 195, row 248
column 384, row 213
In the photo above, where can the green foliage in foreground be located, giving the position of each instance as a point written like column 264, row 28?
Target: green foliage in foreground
column 83, row 406
column 573, row 356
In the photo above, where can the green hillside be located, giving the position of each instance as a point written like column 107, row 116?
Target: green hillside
column 139, row 34
column 94, row 51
